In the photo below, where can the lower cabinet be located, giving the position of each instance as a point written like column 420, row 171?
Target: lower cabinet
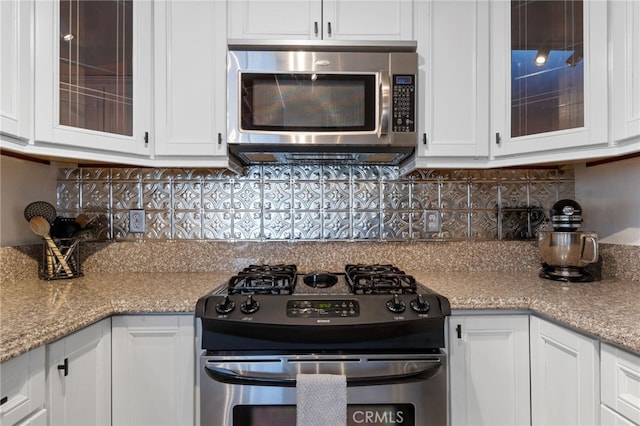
column 153, row 370
column 565, row 372
column 79, row 377
column 489, row 369
column 22, row 389
column 620, row 387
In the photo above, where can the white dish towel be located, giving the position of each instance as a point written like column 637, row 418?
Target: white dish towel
column 321, row 400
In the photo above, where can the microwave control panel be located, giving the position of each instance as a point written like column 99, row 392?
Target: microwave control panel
column 404, row 103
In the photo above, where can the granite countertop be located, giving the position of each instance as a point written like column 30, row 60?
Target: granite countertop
column 35, row 312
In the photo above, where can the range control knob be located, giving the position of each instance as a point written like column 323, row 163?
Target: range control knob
column 249, row 306
column 396, row 305
column 420, row 305
column 227, row 305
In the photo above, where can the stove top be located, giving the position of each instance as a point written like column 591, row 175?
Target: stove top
column 368, row 307
column 356, row 279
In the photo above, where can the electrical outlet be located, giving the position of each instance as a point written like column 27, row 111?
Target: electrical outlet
column 433, row 220
column 136, row 220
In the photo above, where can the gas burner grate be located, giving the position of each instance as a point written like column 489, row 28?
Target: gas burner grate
column 264, row 279
column 379, row 279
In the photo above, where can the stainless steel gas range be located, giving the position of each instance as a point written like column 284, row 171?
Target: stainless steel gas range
column 373, row 324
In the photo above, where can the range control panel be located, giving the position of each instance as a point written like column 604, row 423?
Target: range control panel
column 323, row 308
column 404, row 103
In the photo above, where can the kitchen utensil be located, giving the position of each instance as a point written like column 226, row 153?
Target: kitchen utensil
column 40, row 226
column 64, row 227
column 42, row 209
column 70, row 251
column 568, row 249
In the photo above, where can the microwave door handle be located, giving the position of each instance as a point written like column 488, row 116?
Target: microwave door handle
column 384, row 103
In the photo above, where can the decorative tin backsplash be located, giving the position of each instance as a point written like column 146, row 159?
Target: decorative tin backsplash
column 315, row 203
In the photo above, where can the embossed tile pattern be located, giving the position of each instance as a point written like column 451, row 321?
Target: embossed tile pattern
column 316, row 203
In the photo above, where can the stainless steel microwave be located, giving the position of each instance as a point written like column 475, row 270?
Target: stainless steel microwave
column 322, row 102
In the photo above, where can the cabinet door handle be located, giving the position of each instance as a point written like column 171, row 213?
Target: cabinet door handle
column 4, row 400
column 219, row 138
column 329, row 29
column 424, row 139
column 146, row 138
column 315, row 28
column 64, row 366
column 498, row 139
column 459, row 331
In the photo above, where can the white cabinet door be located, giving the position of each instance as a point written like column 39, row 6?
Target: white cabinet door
column 453, row 45
column 489, row 369
column 153, row 370
column 79, row 377
column 190, row 91
column 551, row 113
column 272, row 19
column 608, row 417
column 321, row 20
column 16, row 67
column 22, row 388
column 625, row 75
column 565, row 387
column 367, row 20
column 93, row 89
column 620, row 387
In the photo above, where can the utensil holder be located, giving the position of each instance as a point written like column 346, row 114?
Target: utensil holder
column 51, row 268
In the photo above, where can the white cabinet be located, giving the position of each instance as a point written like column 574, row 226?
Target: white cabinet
column 16, row 68
column 190, row 81
column 22, row 389
column 620, row 386
column 556, row 111
column 453, row 45
column 153, row 370
column 608, row 417
column 321, row 19
column 565, row 371
column 625, row 74
column 93, row 78
column 79, row 377
column 489, row 369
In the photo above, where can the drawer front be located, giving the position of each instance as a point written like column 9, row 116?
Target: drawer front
column 621, row 382
column 22, row 389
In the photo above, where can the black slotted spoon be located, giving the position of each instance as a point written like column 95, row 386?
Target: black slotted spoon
column 40, row 208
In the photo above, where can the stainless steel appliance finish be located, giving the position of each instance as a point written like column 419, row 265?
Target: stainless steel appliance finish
column 568, row 249
column 567, row 253
column 317, row 103
column 381, row 389
column 372, row 323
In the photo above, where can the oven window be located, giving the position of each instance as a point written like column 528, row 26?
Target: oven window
column 357, row 414
column 308, row 102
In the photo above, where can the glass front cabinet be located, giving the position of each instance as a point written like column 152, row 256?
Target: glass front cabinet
column 548, row 77
column 99, row 54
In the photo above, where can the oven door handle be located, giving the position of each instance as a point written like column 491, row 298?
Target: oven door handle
column 225, row 375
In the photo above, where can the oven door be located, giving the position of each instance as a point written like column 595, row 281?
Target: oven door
column 394, row 390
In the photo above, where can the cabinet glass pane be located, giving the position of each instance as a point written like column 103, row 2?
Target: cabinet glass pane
column 96, row 65
column 547, row 70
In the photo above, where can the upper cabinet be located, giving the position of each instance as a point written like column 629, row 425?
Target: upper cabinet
column 548, row 77
column 625, row 78
column 453, row 49
column 15, row 68
column 93, row 78
column 190, row 80
column 321, row 19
